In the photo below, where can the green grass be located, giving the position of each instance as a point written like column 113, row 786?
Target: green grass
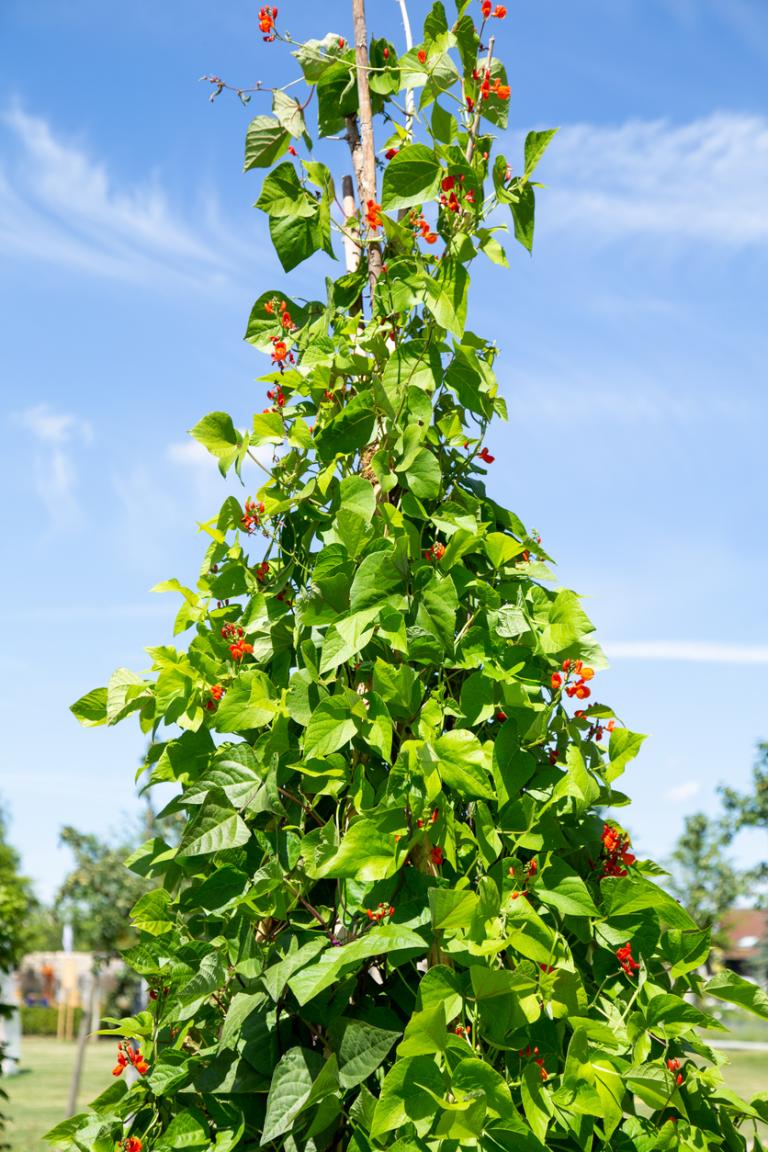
column 37, row 1097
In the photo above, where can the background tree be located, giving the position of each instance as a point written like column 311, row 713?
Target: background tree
column 749, row 810
column 703, row 877
column 395, row 917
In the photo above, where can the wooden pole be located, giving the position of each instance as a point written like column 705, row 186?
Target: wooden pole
column 366, row 164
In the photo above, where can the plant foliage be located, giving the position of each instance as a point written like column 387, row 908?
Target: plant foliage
column 395, row 918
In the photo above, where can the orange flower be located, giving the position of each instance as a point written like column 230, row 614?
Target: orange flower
column 499, row 12
column 557, row 680
column 373, row 216
column 421, row 56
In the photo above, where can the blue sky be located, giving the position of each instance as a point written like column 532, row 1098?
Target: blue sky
column 634, row 352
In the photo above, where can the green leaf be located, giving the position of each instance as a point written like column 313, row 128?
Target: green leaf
column 564, row 889
column 289, row 1090
column 349, row 431
column 412, row 177
column 289, row 112
column 376, row 578
column 451, row 909
column 150, row 913
column 361, row 1048
column 463, row 764
column 365, row 853
column 266, row 140
column 216, row 828
column 736, row 990
column 424, row 476
column 247, row 704
column 91, row 709
column 425, row 1032
column 217, row 433
column 408, row 1095
column 445, row 295
column 188, row 1129
column 330, row 728
column 536, row 144
column 298, row 237
column 388, row 940
column 523, row 210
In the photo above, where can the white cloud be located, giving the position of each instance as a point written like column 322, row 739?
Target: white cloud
column 54, row 427
column 684, row 791
column 54, row 471
column 691, row 651
column 703, row 181
column 60, row 205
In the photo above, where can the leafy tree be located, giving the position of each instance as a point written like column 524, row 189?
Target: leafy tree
column 96, row 897
column 703, row 877
column 750, row 810
column 395, row 917
column 17, row 900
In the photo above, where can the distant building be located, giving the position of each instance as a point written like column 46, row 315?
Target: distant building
column 746, row 930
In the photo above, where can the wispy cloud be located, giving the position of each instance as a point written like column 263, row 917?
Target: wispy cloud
column 686, row 790
column 703, row 181
column 55, row 474
column 60, row 205
column 690, row 651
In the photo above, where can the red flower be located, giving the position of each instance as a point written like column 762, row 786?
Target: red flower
column 470, row 104
column 373, row 215
column 132, row 1144
column 436, row 855
column 279, row 351
column 626, row 960
column 486, row 456
column 557, row 680
column 499, row 12
column 292, row 151
column 421, row 56
column 448, row 183
column 435, row 553
column 501, row 716
column 485, row 8
column 342, row 41
column 391, row 153
column 673, row 1064
column 267, row 17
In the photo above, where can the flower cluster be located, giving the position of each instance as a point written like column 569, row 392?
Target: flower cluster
column 435, row 553
column 488, row 89
column 253, row 514
column 488, row 9
column 616, row 855
column 373, row 216
column 626, row 960
column 267, row 17
column 211, row 705
column 420, row 823
column 279, row 308
column 451, row 192
column 529, row 871
column 381, row 912
column 280, row 352
column 596, row 731
column 131, row 1144
column 436, row 855
column 277, row 396
column 674, row 1066
column 262, row 572
column 420, row 225
column 464, row 1030
column 528, row 1052
column 577, row 687
column 238, row 648
column 127, row 1054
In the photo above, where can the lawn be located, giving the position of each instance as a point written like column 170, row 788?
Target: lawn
column 38, row 1095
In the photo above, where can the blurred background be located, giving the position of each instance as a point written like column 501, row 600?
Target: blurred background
column 633, row 343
